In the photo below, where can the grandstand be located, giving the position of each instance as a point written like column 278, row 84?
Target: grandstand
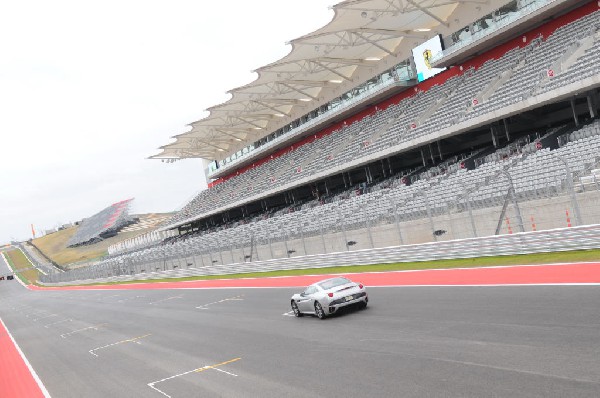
column 103, row 224
column 499, row 83
column 347, row 150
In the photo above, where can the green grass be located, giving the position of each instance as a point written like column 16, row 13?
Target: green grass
column 55, row 247
column 21, row 266
column 526, row 259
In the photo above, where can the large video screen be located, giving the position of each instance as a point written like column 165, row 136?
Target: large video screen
column 422, row 56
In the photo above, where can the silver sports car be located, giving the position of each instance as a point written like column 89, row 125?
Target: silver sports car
column 326, row 297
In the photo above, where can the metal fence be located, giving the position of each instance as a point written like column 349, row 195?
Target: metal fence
column 585, row 237
column 451, row 210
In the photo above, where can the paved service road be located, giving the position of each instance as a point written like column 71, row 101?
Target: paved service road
column 411, row 342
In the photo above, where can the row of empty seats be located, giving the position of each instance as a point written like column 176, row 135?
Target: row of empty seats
column 107, row 220
column 517, row 75
column 533, row 175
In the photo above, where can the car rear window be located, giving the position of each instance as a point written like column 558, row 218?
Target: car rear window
column 328, row 284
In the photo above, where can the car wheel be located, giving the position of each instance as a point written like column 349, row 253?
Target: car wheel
column 319, row 311
column 362, row 305
column 295, row 309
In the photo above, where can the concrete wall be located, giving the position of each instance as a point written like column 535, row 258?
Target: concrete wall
column 538, row 214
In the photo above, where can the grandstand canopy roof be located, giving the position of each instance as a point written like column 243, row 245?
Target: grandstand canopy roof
column 364, row 38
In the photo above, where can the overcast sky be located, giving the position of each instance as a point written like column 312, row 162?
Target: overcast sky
column 89, row 90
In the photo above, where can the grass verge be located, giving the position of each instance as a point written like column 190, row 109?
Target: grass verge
column 21, row 266
column 524, row 259
column 55, row 245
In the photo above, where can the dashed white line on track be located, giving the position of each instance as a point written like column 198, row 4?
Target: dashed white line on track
column 111, row 296
column 198, row 370
column 129, row 299
column 54, row 323
column 235, row 298
column 166, row 299
column 44, row 317
column 133, row 340
column 93, row 327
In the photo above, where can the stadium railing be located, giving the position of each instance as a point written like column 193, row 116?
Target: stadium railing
column 448, row 201
column 364, row 222
column 577, row 238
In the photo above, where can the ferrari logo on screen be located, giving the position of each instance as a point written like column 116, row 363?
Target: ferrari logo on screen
column 427, row 58
column 424, row 56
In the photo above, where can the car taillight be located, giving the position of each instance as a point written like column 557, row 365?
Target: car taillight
column 330, row 294
column 360, row 286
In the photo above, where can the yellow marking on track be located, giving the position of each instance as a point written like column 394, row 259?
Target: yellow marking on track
column 216, row 366
column 154, row 383
column 137, row 338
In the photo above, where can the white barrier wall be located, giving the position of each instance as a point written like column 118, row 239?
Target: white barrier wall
column 575, row 238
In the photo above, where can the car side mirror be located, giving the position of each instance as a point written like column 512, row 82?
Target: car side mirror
column 302, row 294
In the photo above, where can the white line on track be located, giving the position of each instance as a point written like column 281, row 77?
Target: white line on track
column 54, row 323
column 129, row 299
column 224, row 371
column 166, row 299
column 112, row 295
column 35, row 376
column 151, row 385
column 235, row 298
column 44, row 317
column 202, row 369
column 35, row 313
column 93, row 327
column 133, row 340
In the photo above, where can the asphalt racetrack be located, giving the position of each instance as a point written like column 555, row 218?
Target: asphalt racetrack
column 462, row 341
